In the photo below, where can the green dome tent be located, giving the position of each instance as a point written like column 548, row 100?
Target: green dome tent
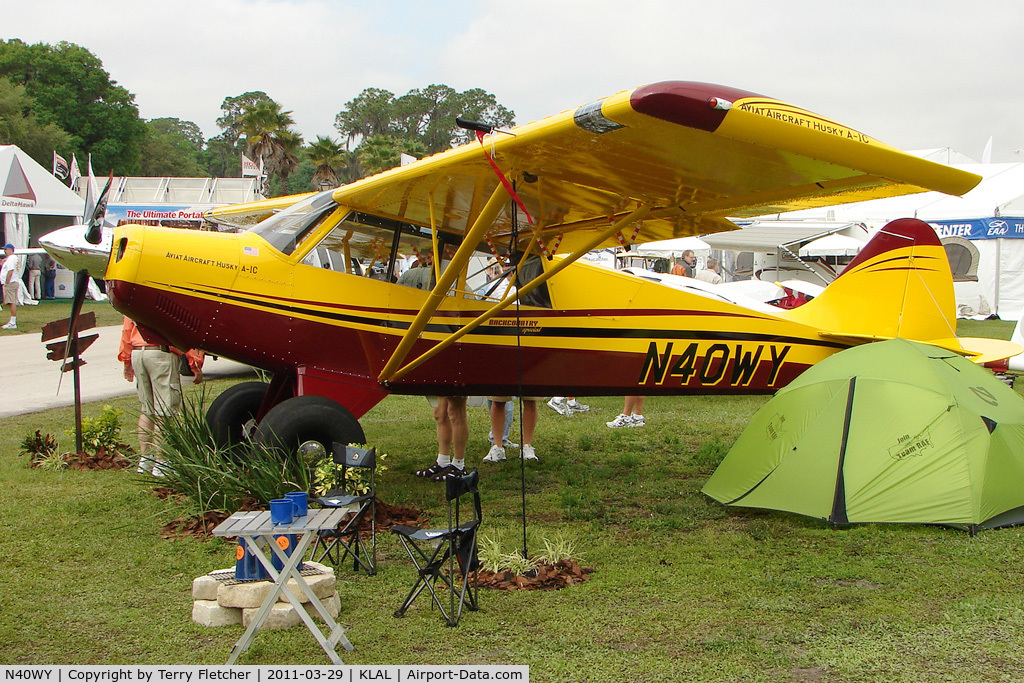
column 892, row 431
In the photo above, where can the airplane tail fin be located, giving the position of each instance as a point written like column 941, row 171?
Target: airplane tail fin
column 900, row 285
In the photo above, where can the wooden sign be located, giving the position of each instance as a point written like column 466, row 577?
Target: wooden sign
column 60, row 328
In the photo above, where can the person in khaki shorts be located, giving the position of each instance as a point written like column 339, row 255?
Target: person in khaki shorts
column 529, row 417
column 155, row 367
column 9, row 277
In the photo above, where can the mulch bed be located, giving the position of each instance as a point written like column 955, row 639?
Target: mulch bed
column 101, row 460
column 545, row 577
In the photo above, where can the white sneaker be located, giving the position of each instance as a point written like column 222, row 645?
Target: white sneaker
column 496, row 454
column 620, row 421
column 528, row 453
column 558, row 404
column 158, row 470
column 636, row 421
column 10, row 326
column 509, row 444
column 577, row 407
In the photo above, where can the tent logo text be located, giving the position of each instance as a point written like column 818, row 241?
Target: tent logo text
column 911, row 446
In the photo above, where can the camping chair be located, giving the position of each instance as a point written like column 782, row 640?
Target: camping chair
column 445, row 557
column 336, row 544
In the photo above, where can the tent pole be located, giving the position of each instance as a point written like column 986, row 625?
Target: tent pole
column 838, row 515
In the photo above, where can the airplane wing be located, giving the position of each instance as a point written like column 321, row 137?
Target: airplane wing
column 246, row 215
column 689, row 153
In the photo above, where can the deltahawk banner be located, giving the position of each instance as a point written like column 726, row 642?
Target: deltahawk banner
column 17, row 191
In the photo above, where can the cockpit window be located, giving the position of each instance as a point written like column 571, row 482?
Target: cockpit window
column 286, row 230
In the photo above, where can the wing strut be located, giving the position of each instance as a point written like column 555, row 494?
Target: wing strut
column 636, row 215
column 474, row 236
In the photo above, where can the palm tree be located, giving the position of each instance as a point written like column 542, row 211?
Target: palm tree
column 289, row 146
column 327, row 155
column 268, row 134
column 381, row 152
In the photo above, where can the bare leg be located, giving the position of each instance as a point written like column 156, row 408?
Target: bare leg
column 529, row 418
column 497, row 414
column 444, row 427
column 459, row 422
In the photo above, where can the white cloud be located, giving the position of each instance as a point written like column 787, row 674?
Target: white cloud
column 914, row 73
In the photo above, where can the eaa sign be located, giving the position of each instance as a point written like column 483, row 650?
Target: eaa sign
column 999, row 227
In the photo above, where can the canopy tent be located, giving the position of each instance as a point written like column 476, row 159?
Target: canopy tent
column 674, row 248
column 892, row 431
column 770, row 249
column 832, row 245
column 991, row 216
column 28, row 188
column 772, row 235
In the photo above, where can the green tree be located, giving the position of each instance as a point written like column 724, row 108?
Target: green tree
column 19, row 126
column 71, row 90
column 222, row 157
column 290, row 147
column 172, row 148
column 420, row 122
column 369, row 114
column 269, row 136
column 326, row 155
column 381, row 152
column 233, row 108
column 428, row 115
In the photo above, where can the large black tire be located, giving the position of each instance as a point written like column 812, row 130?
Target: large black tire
column 233, row 413
column 304, row 419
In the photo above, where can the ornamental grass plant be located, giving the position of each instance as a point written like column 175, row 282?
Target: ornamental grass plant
column 218, row 478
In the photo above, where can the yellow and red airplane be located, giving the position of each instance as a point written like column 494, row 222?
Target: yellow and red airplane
column 306, row 290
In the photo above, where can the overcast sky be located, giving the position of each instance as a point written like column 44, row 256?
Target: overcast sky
column 912, row 73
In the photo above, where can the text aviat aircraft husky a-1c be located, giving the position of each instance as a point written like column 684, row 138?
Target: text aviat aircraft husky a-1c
column 299, row 291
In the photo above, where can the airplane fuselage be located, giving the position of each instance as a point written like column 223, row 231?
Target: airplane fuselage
column 605, row 332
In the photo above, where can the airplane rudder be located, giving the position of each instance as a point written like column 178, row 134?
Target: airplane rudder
column 899, row 285
column 898, row 234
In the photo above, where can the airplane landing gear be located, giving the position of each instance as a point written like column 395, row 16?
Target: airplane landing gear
column 232, row 415
column 309, row 425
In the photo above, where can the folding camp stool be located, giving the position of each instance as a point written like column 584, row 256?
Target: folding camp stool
column 445, row 557
column 346, row 540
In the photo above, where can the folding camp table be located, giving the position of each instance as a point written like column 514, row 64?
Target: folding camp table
column 258, row 533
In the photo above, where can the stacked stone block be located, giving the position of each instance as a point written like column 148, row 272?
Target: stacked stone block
column 222, row 600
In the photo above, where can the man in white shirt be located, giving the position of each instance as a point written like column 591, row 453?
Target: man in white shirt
column 9, row 278
column 710, row 274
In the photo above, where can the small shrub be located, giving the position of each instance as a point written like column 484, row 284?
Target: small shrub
column 558, row 549
column 42, row 452
column 497, row 559
column 103, row 434
column 51, row 462
column 327, row 476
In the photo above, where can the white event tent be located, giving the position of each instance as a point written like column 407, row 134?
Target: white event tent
column 29, row 190
column 991, row 217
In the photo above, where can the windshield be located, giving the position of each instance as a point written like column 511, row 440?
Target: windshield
column 285, row 230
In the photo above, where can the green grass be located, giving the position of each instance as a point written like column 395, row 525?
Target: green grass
column 684, row 588
column 32, row 318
